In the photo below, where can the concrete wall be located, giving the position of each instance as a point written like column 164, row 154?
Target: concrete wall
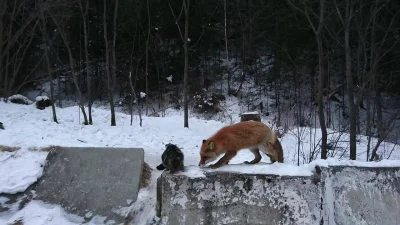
column 354, row 195
column 334, row 195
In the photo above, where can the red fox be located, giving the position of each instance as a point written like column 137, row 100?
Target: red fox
column 252, row 135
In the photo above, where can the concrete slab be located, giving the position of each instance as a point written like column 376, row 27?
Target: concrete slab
column 237, row 199
column 361, row 195
column 333, row 195
column 92, row 181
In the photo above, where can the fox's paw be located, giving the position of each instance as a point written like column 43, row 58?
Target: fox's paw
column 246, row 162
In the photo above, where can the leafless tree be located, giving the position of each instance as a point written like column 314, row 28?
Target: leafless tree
column 386, row 128
column 317, row 28
column 114, row 68
column 15, row 41
column 134, row 100
column 84, row 7
column 26, row 21
column 60, row 23
column 186, row 5
column 226, row 50
column 110, row 75
column 47, row 45
column 346, row 21
column 147, row 57
column 185, row 8
column 2, row 14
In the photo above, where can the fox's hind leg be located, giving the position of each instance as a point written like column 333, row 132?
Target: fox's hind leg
column 271, row 158
column 257, row 156
column 269, row 151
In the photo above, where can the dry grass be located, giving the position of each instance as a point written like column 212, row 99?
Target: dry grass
column 144, row 182
column 17, row 222
column 51, row 148
column 128, row 219
column 4, row 148
column 146, row 175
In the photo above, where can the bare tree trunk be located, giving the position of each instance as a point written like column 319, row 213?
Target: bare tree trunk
column 349, row 80
column 84, row 13
column 369, row 125
column 322, row 73
column 147, row 58
column 46, row 55
column 321, row 114
column 114, row 68
column 109, row 78
column 277, row 74
column 379, row 117
column 186, row 5
column 134, row 100
column 377, row 51
column 2, row 12
column 226, row 51
column 359, row 96
column 372, row 84
column 71, row 64
column 277, row 98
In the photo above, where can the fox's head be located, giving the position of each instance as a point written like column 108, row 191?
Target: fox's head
column 207, row 152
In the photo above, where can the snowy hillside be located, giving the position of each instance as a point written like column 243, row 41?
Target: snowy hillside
column 31, row 129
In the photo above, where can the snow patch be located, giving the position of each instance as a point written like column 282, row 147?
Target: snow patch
column 169, row 78
column 281, row 169
column 192, row 171
column 18, row 96
column 20, row 169
column 41, row 98
column 38, row 213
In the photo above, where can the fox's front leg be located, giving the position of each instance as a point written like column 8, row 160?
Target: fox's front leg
column 224, row 160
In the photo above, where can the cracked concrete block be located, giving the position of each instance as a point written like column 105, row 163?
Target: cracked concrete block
column 231, row 198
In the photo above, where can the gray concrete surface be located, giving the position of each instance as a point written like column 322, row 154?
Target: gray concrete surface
column 230, row 198
column 91, row 181
column 334, row 195
column 362, row 195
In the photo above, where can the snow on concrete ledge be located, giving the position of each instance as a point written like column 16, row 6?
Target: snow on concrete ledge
column 342, row 192
column 284, row 169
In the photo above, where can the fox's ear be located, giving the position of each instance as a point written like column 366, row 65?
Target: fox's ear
column 211, row 145
column 204, row 140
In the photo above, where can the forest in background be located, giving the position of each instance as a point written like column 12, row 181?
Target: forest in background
column 322, row 61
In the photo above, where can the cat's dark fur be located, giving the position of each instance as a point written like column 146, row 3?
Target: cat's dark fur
column 172, row 159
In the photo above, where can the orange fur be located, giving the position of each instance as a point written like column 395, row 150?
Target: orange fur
column 251, row 135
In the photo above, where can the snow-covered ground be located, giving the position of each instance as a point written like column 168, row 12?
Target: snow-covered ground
column 29, row 128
